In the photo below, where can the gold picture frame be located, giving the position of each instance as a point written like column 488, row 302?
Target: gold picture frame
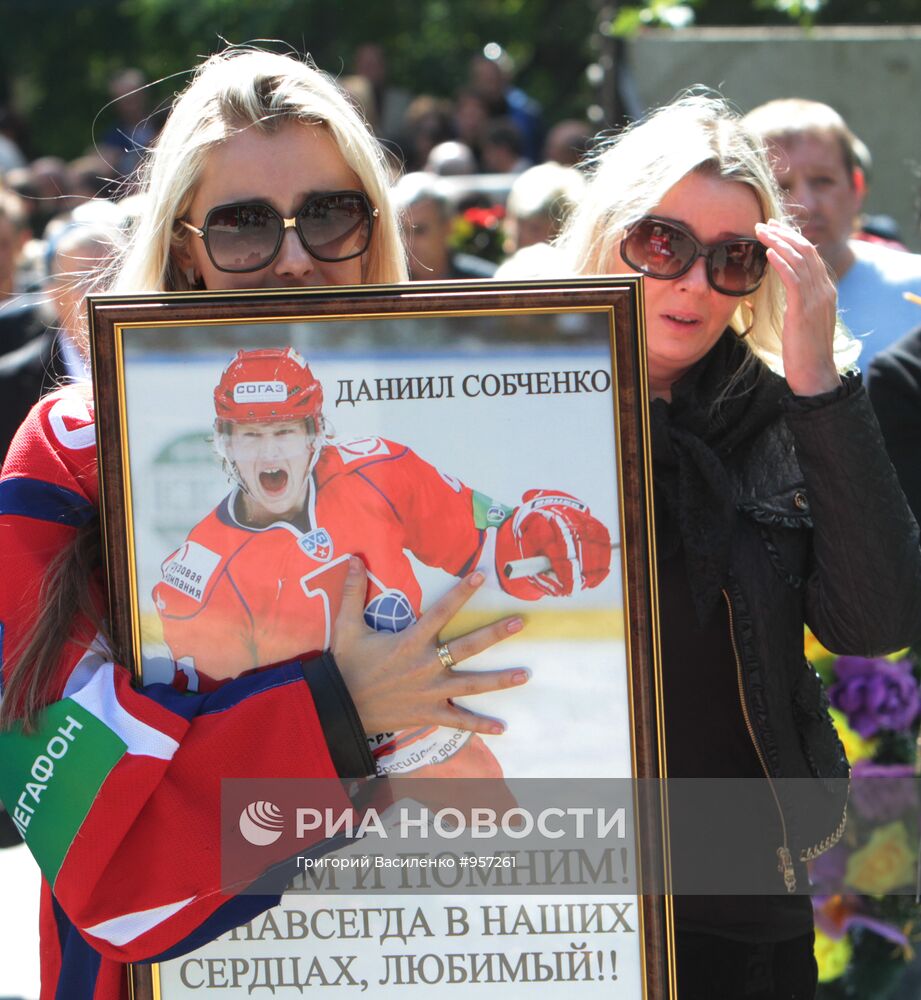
column 539, row 383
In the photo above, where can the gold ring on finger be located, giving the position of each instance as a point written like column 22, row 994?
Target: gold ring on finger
column 444, row 654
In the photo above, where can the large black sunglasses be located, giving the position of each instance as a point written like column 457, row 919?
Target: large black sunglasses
column 661, row 248
column 333, row 226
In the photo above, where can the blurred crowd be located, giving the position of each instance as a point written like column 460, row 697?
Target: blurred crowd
column 483, row 181
column 479, row 177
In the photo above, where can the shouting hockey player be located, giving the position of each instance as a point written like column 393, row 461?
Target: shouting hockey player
column 259, row 580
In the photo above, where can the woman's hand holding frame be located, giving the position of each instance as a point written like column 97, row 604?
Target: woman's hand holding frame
column 397, row 680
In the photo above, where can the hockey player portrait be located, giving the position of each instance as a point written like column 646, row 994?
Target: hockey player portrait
column 260, row 578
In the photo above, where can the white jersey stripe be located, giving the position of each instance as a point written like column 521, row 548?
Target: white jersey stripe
column 119, row 931
column 98, row 697
column 84, row 669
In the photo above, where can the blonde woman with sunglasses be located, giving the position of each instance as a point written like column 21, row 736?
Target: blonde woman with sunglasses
column 263, row 177
column 775, row 506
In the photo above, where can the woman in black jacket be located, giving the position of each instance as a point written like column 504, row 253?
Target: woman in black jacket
column 775, row 506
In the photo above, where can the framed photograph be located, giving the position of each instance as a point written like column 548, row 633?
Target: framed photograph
column 430, row 429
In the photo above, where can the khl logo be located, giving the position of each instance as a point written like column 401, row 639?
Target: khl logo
column 318, row 544
column 262, row 823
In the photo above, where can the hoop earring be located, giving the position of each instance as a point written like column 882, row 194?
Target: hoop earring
column 742, row 334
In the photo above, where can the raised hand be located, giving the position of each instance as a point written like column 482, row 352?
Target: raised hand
column 809, row 320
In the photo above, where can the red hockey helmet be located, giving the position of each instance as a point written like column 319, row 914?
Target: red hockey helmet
column 267, row 386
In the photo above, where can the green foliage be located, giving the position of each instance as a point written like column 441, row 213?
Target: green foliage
column 57, row 55
column 681, row 13
column 657, row 13
column 806, row 13
column 877, row 967
column 801, row 11
column 895, row 747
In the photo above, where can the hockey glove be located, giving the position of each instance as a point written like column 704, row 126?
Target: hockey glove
column 576, row 547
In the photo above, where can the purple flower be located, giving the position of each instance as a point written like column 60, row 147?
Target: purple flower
column 875, row 694
column 836, row 915
column 883, row 793
column 827, row 871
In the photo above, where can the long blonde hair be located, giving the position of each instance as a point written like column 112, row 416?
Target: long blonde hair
column 628, row 176
column 238, row 89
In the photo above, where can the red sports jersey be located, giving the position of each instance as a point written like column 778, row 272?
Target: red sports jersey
column 233, row 597
column 117, row 792
column 117, row 789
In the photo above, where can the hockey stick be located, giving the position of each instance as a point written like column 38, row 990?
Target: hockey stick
column 515, row 569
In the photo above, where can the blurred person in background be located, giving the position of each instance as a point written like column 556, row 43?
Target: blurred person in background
column 815, row 160
column 875, row 228
column 502, row 148
column 50, row 357
column 428, row 121
column 92, row 177
column 11, row 156
column 19, row 182
column 538, row 204
column 490, row 75
column 14, row 233
column 391, row 101
column 45, row 187
column 568, row 142
column 78, row 256
column 471, row 113
column 451, row 159
column 360, row 92
column 125, row 142
column 426, row 216
column 20, row 318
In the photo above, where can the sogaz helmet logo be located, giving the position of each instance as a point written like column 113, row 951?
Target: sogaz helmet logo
column 261, row 823
column 260, row 392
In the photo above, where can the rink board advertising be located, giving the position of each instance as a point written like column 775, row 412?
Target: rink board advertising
column 251, row 444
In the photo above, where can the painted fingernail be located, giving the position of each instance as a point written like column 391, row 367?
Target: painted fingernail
column 476, row 579
column 521, row 676
column 515, row 625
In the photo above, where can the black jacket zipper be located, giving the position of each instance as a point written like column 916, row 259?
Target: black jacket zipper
column 785, row 865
